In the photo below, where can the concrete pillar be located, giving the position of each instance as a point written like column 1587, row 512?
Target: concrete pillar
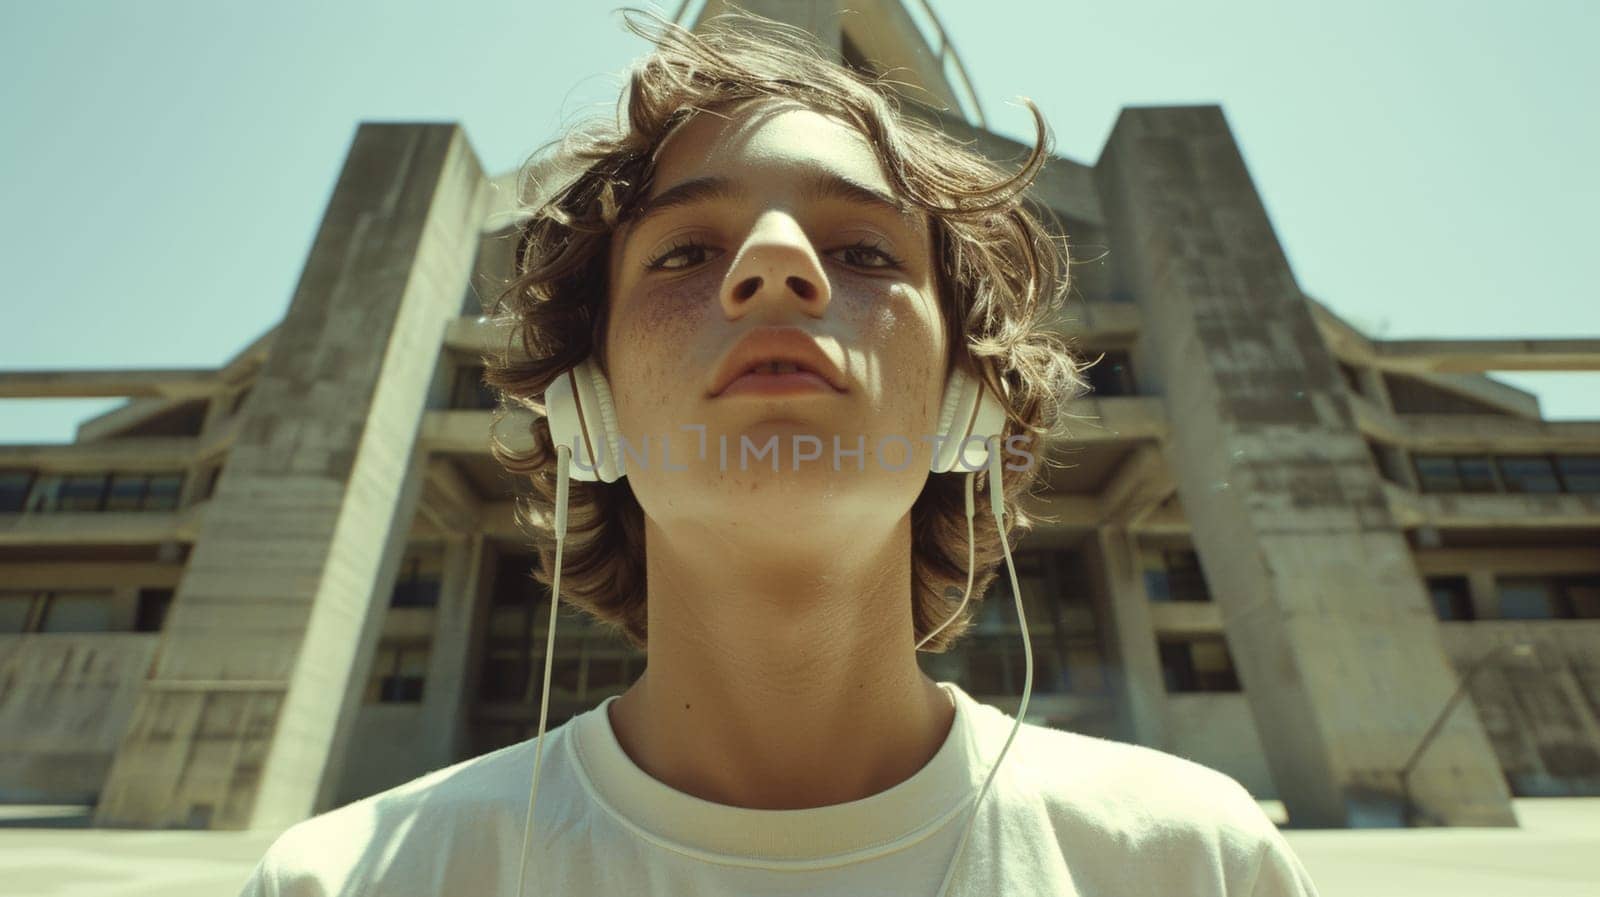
column 448, row 691
column 1396, row 458
column 278, row 612
column 1481, row 588
column 1112, row 558
column 1335, row 641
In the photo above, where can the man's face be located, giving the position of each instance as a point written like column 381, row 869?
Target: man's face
column 762, row 218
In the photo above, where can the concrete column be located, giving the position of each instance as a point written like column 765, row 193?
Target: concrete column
column 1485, row 600
column 1112, row 558
column 242, row 719
column 448, row 691
column 1331, row 628
column 1374, row 387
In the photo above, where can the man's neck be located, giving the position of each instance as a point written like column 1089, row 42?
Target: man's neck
column 781, row 689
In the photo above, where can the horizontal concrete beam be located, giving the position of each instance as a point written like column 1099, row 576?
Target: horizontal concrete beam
column 1139, row 486
column 1477, row 355
column 1480, row 433
column 1418, row 356
column 1492, row 511
column 1509, row 560
column 1186, row 617
column 88, row 575
column 1354, row 347
column 1116, row 419
column 170, row 383
column 143, row 455
column 102, row 527
column 1519, row 511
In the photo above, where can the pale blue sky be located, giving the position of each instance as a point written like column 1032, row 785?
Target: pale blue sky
column 1430, row 165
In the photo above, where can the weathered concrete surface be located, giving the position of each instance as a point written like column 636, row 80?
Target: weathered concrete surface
column 1542, row 712
column 65, row 699
column 244, row 718
column 1334, row 639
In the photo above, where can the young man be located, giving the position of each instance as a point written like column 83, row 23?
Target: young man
column 766, row 255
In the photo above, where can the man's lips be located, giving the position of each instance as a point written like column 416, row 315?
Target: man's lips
column 755, row 354
column 762, row 383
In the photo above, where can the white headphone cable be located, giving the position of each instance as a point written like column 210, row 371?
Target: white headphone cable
column 563, row 459
column 997, row 504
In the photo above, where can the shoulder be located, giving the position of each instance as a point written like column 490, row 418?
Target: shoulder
column 1137, row 788
column 1109, row 801
column 374, row 837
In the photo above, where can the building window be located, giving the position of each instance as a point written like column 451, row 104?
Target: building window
column 1583, row 596
column 1202, row 663
column 1452, row 599
column 1580, row 473
column 1550, row 597
column 153, row 607
column 1174, row 575
column 1477, row 474
column 1450, row 473
column 1529, row 473
column 1436, row 473
column 1518, row 473
column 591, row 663
column 104, row 492
column 398, row 673
column 992, row 670
column 505, row 676
column 163, row 493
column 14, row 487
column 1063, row 629
column 421, row 572
column 1111, row 374
column 127, row 492
column 16, row 612
column 1527, row 598
column 76, row 612
column 82, row 493
column 470, row 391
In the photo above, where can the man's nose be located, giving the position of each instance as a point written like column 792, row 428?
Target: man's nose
column 776, row 262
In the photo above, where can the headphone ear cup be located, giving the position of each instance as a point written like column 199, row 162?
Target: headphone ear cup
column 600, row 388
column 583, row 417
column 969, row 409
column 949, row 404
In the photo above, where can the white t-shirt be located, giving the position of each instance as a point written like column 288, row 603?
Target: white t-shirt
column 1068, row 814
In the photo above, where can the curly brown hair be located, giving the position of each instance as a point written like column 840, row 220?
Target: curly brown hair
column 1001, row 278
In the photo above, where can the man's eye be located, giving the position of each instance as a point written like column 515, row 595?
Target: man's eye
column 679, row 256
column 867, row 254
column 693, row 251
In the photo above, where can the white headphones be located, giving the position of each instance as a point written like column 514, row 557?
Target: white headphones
column 583, row 418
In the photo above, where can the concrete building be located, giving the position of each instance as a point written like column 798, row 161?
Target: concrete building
column 257, row 592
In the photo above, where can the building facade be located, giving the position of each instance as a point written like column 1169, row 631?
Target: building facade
column 1356, row 574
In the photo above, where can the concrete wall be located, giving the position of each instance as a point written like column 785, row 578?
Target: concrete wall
column 1541, row 712
column 246, row 720
column 65, row 700
column 1218, row 730
column 1321, row 603
column 433, row 731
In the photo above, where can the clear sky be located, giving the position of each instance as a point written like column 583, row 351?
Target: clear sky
column 1429, row 165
